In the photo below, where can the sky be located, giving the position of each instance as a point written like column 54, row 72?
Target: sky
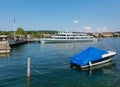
column 60, row 15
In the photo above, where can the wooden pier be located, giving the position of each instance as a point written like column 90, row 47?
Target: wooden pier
column 4, row 45
column 15, row 43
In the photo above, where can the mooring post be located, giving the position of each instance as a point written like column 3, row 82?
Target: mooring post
column 28, row 67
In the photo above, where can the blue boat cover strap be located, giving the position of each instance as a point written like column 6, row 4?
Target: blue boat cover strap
column 89, row 55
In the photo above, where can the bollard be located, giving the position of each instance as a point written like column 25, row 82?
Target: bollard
column 28, row 67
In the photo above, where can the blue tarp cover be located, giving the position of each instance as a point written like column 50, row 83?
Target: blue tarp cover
column 89, row 55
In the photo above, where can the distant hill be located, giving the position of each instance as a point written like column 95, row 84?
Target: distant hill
column 42, row 31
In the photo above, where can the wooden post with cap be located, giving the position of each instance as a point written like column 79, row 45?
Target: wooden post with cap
column 28, row 67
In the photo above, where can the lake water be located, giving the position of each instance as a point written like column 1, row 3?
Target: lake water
column 50, row 66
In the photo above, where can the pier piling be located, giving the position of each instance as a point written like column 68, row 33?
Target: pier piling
column 28, row 67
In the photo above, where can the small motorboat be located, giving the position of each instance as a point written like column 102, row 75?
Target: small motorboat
column 91, row 57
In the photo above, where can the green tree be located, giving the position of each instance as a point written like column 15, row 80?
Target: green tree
column 21, row 31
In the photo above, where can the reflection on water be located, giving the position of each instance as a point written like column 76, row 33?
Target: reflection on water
column 103, row 68
column 4, row 55
column 68, row 46
column 68, row 49
column 28, row 82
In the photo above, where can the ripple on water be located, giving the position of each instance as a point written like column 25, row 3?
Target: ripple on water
column 50, row 66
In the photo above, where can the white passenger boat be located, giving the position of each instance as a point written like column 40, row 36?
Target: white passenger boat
column 69, row 37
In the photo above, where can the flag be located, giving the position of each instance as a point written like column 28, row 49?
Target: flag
column 14, row 20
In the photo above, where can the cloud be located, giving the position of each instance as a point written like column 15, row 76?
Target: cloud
column 103, row 29
column 77, row 29
column 76, row 21
column 87, row 28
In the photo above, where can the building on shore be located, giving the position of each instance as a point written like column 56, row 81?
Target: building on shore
column 106, row 34
column 30, row 38
column 116, row 34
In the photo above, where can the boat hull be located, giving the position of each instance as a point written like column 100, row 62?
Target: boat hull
column 66, row 40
